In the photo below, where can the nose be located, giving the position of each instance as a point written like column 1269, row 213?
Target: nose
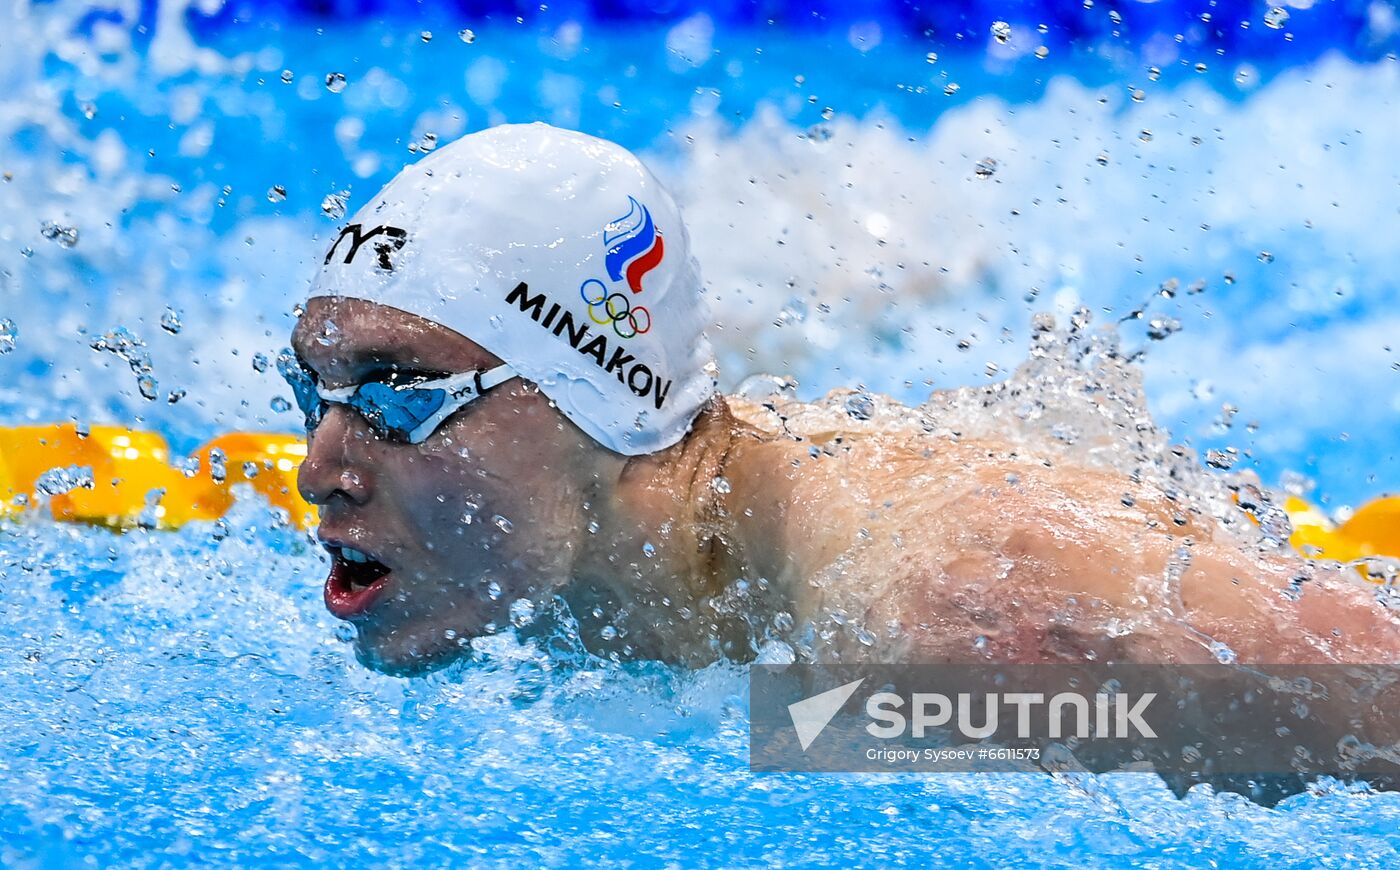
column 335, row 463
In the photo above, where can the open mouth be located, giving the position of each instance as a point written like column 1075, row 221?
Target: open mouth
column 356, row 581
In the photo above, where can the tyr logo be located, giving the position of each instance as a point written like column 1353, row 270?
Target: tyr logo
column 394, row 239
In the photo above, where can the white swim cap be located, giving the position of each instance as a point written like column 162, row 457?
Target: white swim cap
column 557, row 252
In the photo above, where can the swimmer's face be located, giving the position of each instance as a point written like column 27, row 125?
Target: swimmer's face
column 484, row 512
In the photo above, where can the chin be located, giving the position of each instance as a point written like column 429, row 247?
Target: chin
column 402, row 655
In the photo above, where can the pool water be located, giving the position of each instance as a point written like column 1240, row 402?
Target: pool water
column 182, row 697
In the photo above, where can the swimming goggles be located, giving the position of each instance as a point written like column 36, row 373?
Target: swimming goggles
column 407, row 412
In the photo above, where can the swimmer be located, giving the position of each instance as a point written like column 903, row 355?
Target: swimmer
column 511, row 402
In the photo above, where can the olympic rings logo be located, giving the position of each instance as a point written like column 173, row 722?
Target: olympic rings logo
column 616, row 309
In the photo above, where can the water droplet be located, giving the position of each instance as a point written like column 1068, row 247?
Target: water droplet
column 148, row 387
column 333, row 206
column 189, row 467
column 1222, row 653
column 1276, row 18
column 951, row 88
column 8, row 335
column 1153, row 74
column 65, row 236
column 1139, row 95
column 860, row 406
column 89, row 111
column 57, row 481
column 986, row 167
column 250, row 469
column 522, row 612
column 287, row 76
column 427, row 143
column 1266, row 257
column 931, row 57
column 1102, row 159
column 1115, row 16
column 218, row 465
column 1221, row 459
column 503, row 524
column 466, row 36
column 174, row 396
column 493, row 590
column 426, row 36
column 649, row 550
column 1042, row 52
column 280, row 405
column 1200, row 67
column 593, row 527
column 1145, row 135
column 608, row 632
column 259, row 362
column 170, row 321
column 276, row 193
column 1001, row 32
column 721, row 485
column 1162, row 326
column 496, row 321
column 335, row 82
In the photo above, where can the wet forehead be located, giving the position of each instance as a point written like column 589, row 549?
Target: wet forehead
column 342, row 338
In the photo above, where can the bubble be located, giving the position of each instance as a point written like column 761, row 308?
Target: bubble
column 1001, row 32
column 466, row 36
column 65, row 236
column 608, row 632
column 986, row 167
column 593, row 527
column 170, row 321
column 8, row 335
column 1115, row 16
column 860, row 406
column 931, row 57
column 89, row 111
column 1145, row 135
column 1139, row 95
column 333, row 206
column 1042, row 52
column 721, row 485
column 649, row 550
column 1266, row 257
column 335, row 82
column 493, row 590
column 1201, row 67
column 426, row 36
column 276, row 193
column 287, row 76
column 1276, row 18
column 951, row 88
column 174, row 396
column 259, row 362
column 503, row 524
column 280, row 405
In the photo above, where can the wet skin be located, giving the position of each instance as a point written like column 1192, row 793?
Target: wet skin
column 965, row 552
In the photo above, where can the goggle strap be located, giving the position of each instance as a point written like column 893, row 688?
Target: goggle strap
column 456, row 386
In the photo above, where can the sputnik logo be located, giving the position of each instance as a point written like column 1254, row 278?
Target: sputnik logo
column 635, row 246
column 811, row 715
